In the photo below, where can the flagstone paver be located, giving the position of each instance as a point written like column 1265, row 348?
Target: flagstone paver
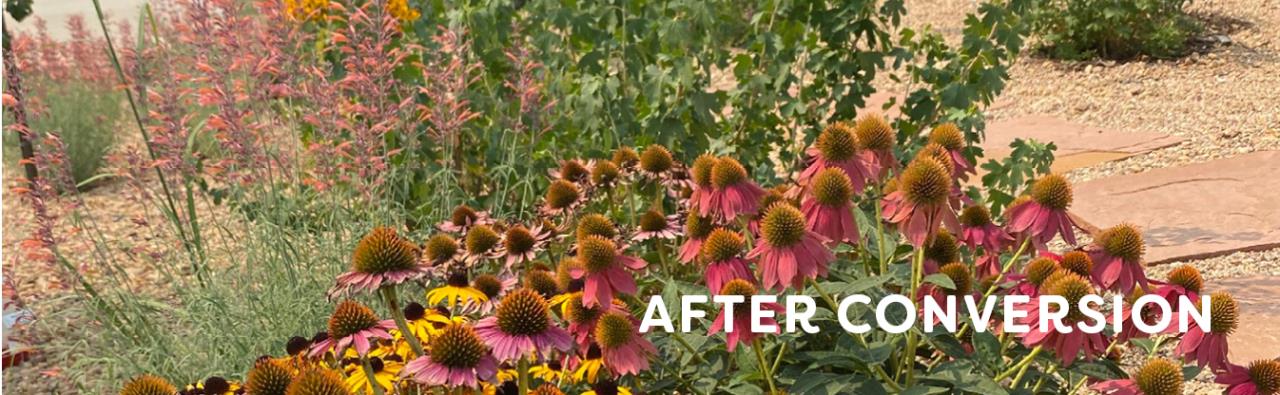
column 1194, row 211
column 1078, row 145
column 1256, row 337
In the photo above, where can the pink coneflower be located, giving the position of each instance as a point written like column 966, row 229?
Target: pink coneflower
column 1045, row 215
column 920, row 205
column 1117, row 259
column 655, row 225
column 464, row 217
column 1185, row 281
column 1262, row 377
column 458, row 358
column 656, row 162
column 603, row 270
column 441, row 252
column 522, row 326
column 827, row 206
column 788, row 252
column 961, row 276
column 700, row 177
column 696, row 230
column 493, row 288
column 352, row 324
column 593, row 224
column 741, row 331
column 774, row 195
column 876, row 137
column 722, row 255
column 582, row 319
column 380, row 258
column 562, row 197
column 481, row 243
column 1033, row 276
column 626, row 158
column 1129, row 330
column 521, row 244
column 1157, row 377
column 1066, row 346
column 988, row 265
column 1210, row 348
column 624, row 349
column 950, row 138
column 573, row 170
column 837, row 147
column 941, row 250
column 978, row 231
column 605, row 175
column 732, row 192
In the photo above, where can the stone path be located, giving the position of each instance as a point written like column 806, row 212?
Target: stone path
column 1256, row 337
column 1078, row 145
column 1195, row 211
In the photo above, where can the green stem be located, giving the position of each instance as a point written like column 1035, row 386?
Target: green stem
column 393, row 304
column 688, row 347
column 523, row 370
column 369, row 373
column 879, row 370
column 884, row 256
column 917, row 274
column 995, row 284
column 1021, row 365
column 764, row 367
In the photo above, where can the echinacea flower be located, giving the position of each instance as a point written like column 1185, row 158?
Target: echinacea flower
column 1045, row 215
column 572, row 170
column 148, row 385
column 655, row 162
column 624, row 349
column 481, row 243
column 522, row 326
column 542, row 282
column 920, row 205
column 1077, row 262
column 493, row 288
column 1034, row 275
column 380, row 258
column 1158, row 376
column 1128, row 329
column 977, row 230
column 603, row 270
column 318, row 381
column 589, row 365
column 696, row 229
column 1067, row 346
column 458, row 358
column 268, row 377
column 949, row 137
column 521, row 244
column 739, row 329
column 788, row 252
column 1262, row 377
column 594, row 224
column 625, row 158
column 960, row 275
column 352, row 325
column 562, row 197
column 700, row 176
column 582, row 319
column 733, row 193
column 775, row 195
column 837, row 147
column 457, row 289
column 441, row 251
column 1117, row 259
column 1210, row 348
column 605, row 174
column 722, row 255
column 463, row 218
column 654, row 225
column 943, row 249
column 827, row 207
column 876, row 137
column 386, row 370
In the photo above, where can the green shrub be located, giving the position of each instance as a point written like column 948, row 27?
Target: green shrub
column 85, row 117
column 1112, row 29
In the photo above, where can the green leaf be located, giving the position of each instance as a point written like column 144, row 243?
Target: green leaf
column 940, row 280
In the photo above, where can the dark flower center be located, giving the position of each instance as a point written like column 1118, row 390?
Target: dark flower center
column 1077, row 262
column 458, row 279
column 561, row 194
column 518, row 240
column 573, row 170
column 296, row 345
column 481, row 239
column 1071, row 287
column 697, row 227
column 523, row 312
column 1052, row 191
column 317, row 381
column 578, row 313
column 656, row 159
column 488, row 284
column 350, row 317
column 943, row 248
column 1265, row 375
column 1039, row 269
column 653, row 221
column 604, row 172
column 267, row 377
column 463, row 215
column 975, row 216
column 783, row 226
column 948, row 136
column 605, row 387
column 597, row 253
column 721, row 245
column 837, row 142
column 414, row 311
column 832, row 188
column 542, row 282
column 1123, row 241
column 700, row 172
column 940, row 154
column 625, row 157
column 1224, row 313
column 614, row 330
column 148, row 385
column 383, row 251
column 1159, row 377
column 457, row 346
column 596, row 225
column 1187, row 277
column 727, row 172
column 926, row 182
column 441, row 247
column 874, row 133
column 960, row 275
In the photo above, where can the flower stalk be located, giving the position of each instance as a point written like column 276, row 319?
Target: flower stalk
column 393, row 304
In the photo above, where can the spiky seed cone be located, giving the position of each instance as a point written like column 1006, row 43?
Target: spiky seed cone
column 874, row 133
column 1039, row 269
column 463, row 214
column 960, row 275
column 597, row 253
column 523, row 312
column 1123, row 241
column 564, row 276
column 891, row 186
column 777, row 194
column 653, row 221
column 596, row 225
column 926, row 182
column 457, row 346
column 943, row 248
column 727, row 172
column 562, row 194
column 975, row 216
column 1071, row 287
column 831, row 187
column 741, row 288
column 656, row 159
column 783, row 226
column 948, row 136
column 938, row 153
column 1159, row 377
column 700, row 171
column 518, row 240
column 487, row 284
column 614, row 330
column 1052, row 191
column 268, row 377
column 441, row 247
column 1224, row 313
column 542, row 282
column 578, row 313
column 317, row 381
column 625, row 157
column 350, row 317
column 697, row 227
column 381, row 251
column 481, row 239
column 1187, row 277
column 721, row 245
column 605, row 172
column 546, row 389
column 148, row 385
column 573, row 170
column 1077, row 262
column 837, row 142
column 1265, row 375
